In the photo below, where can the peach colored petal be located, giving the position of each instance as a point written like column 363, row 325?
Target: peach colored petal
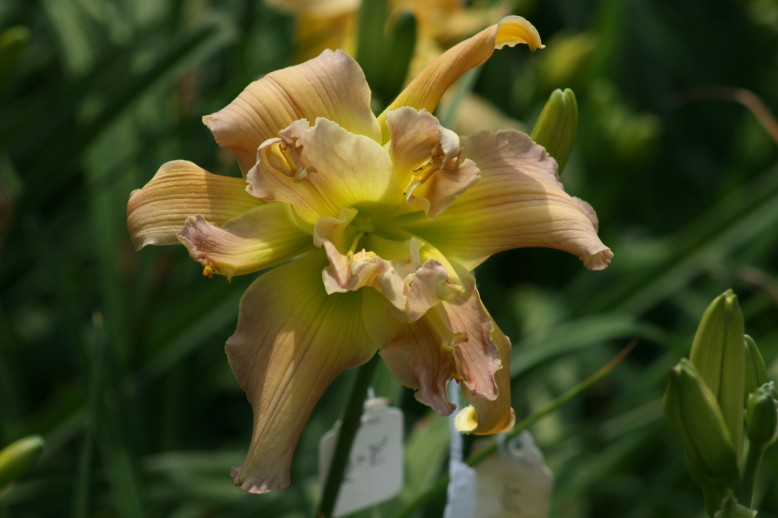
column 331, row 86
column 417, row 358
column 291, row 341
column 428, row 87
column 428, row 160
column 260, row 238
column 322, row 168
column 451, row 341
column 157, row 212
column 485, row 416
column 519, row 202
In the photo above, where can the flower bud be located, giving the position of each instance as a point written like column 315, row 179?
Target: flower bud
column 718, row 354
column 696, row 418
column 762, row 417
column 556, row 126
column 756, row 372
column 18, row 457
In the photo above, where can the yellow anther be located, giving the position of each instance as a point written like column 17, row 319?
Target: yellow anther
column 208, row 271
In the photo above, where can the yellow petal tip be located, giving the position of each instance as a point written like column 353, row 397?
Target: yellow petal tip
column 513, row 30
column 466, row 420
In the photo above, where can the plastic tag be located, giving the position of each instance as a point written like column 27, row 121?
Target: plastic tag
column 515, row 483
column 460, row 499
column 375, row 469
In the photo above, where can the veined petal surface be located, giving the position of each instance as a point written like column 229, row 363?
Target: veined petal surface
column 428, row 87
column 322, row 169
column 291, row 341
column 519, row 202
column 157, row 212
column 257, row 239
column 331, row 86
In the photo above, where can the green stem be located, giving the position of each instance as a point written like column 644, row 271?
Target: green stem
column 348, row 430
column 442, row 483
column 753, row 461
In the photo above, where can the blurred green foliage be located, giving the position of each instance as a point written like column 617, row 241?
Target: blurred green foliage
column 116, row 358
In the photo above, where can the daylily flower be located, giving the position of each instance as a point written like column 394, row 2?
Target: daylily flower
column 373, row 225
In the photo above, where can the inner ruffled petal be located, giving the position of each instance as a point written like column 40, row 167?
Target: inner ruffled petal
column 453, row 340
column 322, row 169
column 409, row 273
column 428, row 160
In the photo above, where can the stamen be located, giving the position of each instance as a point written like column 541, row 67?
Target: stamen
column 208, row 271
column 283, row 158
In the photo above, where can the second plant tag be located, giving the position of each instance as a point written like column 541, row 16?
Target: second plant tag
column 515, row 483
column 375, row 469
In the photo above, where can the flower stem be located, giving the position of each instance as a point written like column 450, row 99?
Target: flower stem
column 348, row 430
column 753, row 461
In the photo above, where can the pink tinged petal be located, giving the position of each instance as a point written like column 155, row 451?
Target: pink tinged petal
column 451, row 341
column 519, row 202
column 419, row 360
column 260, row 238
column 475, row 353
column 291, row 341
column 428, row 87
column 428, row 160
column 157, row 212
column 322, row 168
column 485, row 416
column 410, row 285
column 331, row 86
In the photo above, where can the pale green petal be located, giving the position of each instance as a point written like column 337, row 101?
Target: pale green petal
column 331, row 86
column 260, row 238
column 413, row 281
column 519, row 202
column 322, row 169
column 157, row 212
column 291, row 341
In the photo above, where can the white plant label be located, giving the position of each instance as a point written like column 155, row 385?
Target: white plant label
column 375, row 469
column 515, row 483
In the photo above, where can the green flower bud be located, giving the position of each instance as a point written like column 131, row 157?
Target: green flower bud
column 18, row 457
column 762, row 417
column 718, row 354
column 556, row 127
column 696, row 418
column 756, row 372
